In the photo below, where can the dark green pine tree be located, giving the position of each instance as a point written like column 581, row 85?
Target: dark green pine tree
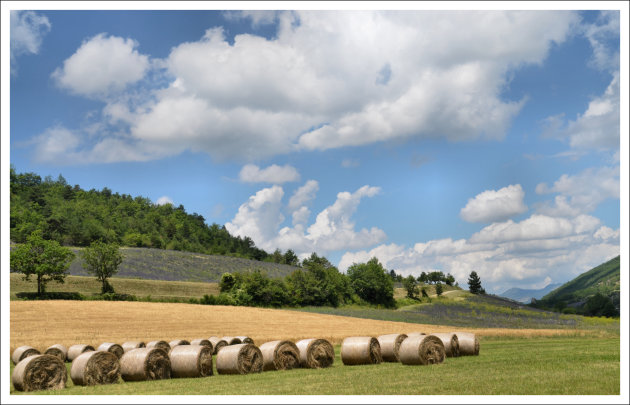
column 474, row 284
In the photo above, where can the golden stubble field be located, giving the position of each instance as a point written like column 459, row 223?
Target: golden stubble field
column 44, row 323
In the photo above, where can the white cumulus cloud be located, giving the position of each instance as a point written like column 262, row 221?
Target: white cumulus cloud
column 302, row 90
column 581, row 193
column 102, row 64
column 495, row 205
column 303, row 194
column 273, row 174
column 27, row 33
column 261, row 217
column 535, row 251
column 164, row 200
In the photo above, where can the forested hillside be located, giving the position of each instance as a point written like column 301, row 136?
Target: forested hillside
column 76, row 217
column 595, row 292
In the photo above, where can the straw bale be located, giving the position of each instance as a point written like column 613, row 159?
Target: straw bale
column 421, row 349
column 315, row 353
column 232, row 340
column 132, row 345
column 201, row 342
column 75, row 350
column 145, row 364
column 244, row 358
column 191, row 361
column 280, row 355
column 451, row 343
column 95, row 368
column 23, row 352
column 217, row 344
column 40, row 372
column 390, row 344
column 468, row 344
column 359, row 350
column 58, row 350
column 159, row 344
column 178, row 342
column 245, row 339
column 112, row 348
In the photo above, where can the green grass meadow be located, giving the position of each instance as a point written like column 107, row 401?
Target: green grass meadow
column 505, row 366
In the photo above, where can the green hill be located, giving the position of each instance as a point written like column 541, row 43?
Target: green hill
column 600, row 281
column 76, row 217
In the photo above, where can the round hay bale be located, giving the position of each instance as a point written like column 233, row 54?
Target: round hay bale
column 132, row 345
column 75, row 350
column 468, row 344
column 159, row 344
column 451, row 343
column 201, row 342
column 315, row 353
column 95, row 368
column 232, row 340
column 280, row 355
column 245, row 339
column 191, row 361
column 58, row 350
column 217, row 344
column 178, row 342
column 390, row 344
column 40, row 372
column 244, row 358
column 145, row 364
column 360, row 350
column 23, row 352
column 421, row 349
column 112, row 348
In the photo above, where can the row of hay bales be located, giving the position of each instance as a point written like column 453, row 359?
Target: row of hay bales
column 411, row 349
column 155, row 360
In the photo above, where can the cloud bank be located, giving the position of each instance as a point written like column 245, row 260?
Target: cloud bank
column 302, row 90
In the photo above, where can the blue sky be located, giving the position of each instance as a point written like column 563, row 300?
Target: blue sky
column 452, row 141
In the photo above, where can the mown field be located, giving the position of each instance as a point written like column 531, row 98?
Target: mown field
column 140, row 288
column 505, row 366
column 523, row 350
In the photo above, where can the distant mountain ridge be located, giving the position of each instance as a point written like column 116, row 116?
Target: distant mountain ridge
column 525, row 295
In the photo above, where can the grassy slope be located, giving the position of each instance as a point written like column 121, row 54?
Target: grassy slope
column 140, row 288
column 462, row 309
column 505, row 366
column 173, row 265
column 604, row 278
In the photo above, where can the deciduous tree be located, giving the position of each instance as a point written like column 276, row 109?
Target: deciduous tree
column 102, row 260
column 45, row 259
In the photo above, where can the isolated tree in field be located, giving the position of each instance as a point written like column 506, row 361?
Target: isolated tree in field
column 227, row 282
column 411, row 285
column 474, row 284
column 45, row 259
column 102, row 260
column 372, row 282
column 439, row 289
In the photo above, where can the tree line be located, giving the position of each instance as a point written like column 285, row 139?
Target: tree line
column 72, row 216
